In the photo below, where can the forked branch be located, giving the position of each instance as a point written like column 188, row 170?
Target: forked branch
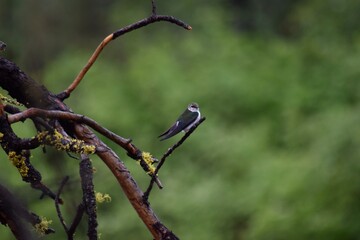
column 142, row 23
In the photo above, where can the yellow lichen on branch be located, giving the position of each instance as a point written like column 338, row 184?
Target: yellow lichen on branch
column 63, row 143
column 18, row 161
column 102, row 197
column 149, row 161
column 43, row 226
column 9, row 100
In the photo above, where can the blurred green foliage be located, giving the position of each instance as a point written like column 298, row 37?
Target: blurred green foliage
column 279, row 83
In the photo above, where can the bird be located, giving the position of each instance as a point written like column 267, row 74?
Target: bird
column 185, row 121
column 2, row 46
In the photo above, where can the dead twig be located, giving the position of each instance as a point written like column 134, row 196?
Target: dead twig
column 79, row 213
column 142, row 23
column 57, row 203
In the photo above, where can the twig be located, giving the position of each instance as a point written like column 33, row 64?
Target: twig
column 168, row 153
column 142, row 23
column 86, row 68
column 152, row 19
column 79, row 213
column 153, row 10
column 57, row 197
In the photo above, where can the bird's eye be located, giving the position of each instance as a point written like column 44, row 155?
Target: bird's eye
column 193, row 106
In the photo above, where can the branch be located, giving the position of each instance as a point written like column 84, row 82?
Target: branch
column 12, row 215
column 133, row 151
column 32, row 113
column 142, row 23
column 15, row 215
column 168, row 153
column 24, row 89
column 16, row 149
column 79, row 213
column 127, row 183
column 87, row 185
column 57, row 203
column 146, row 21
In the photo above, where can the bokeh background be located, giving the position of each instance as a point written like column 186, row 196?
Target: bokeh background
column 279, row 82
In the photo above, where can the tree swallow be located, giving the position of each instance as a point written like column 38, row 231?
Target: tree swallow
column 2, row 46
column 187, row 119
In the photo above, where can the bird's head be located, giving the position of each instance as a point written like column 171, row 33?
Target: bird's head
column 193, row 107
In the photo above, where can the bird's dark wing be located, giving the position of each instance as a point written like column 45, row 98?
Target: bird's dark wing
column 170, row 132
column 183, row 121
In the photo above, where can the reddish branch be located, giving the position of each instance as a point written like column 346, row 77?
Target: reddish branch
column 142, row 23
